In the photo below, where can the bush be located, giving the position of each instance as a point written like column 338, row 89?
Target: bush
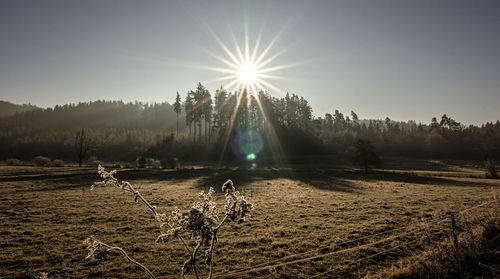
column 93, row 162
column 14, row 162
column 153, row 163
column 171, row 163
column 41, row 161
column 140, row 162
column 174, row 163
column 58, row 163
column 491, row 171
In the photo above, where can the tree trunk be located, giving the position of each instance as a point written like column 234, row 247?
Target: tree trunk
column 199, row 130
column 206, row 131
column 177, row 125
column 195, row 130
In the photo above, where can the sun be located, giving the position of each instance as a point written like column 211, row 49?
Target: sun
column 248, row 74
column 246, row 68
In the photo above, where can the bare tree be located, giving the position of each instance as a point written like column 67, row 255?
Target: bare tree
column 83, row 145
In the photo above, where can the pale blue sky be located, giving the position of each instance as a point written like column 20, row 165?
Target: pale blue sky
column 402, row 59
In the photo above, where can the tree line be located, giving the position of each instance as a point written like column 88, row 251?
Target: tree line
column 203, row 126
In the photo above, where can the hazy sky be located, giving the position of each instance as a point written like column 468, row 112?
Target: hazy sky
column 402, row 59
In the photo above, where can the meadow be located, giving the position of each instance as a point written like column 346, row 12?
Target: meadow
column 46, row 213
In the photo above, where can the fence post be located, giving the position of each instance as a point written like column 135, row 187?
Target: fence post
column 454, row 231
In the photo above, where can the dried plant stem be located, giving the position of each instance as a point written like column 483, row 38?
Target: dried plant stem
column 111, row 248
column 182, row 240
column 201, row 221
column 193, row 258
column 138, row 196
column 490, row 267
column 153, row 210
column 129, row 188
column 212, row 246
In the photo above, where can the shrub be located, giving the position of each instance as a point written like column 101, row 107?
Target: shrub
column 140, row 162
column 153, row 163
column 174, row 163
column 171, row 163
column 41, row 161
column 491, row 171
column 93, row 162
column 14, row 162
column 58, row 163
column 201, row 223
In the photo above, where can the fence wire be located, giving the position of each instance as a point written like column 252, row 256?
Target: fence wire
column 270, row 265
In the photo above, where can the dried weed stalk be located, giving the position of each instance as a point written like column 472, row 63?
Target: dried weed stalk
column 201, row 223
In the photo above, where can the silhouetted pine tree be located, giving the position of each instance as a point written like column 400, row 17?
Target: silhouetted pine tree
column 177, row 109
column 364, row 154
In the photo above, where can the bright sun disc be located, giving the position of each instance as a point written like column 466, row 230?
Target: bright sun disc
column 248, row 69
column 248, row 73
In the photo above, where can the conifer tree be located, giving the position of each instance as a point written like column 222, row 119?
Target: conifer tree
column 364, row 154
column 177, row 109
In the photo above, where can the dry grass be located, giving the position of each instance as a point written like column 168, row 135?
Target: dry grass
column 45, row 218
column 475, row 255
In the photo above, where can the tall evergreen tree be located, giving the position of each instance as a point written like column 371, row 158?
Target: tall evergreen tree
column 219, row 117
column 354, row 117
column 338, row 120
column 207, row 110
column 188, row 110
column 177, row 109
column 201, row 98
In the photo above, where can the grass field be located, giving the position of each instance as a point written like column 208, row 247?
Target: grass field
column 46, row 213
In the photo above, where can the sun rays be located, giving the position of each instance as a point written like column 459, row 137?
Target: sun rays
column 248, row 71
column 247, row 68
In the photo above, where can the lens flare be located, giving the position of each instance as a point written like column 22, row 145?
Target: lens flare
column 247, row 144
column 247, row 71
column 251, row 157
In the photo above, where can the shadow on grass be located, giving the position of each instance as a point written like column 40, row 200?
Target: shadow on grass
column 339, row 179
column 316, row 178
column 418, row 179
column 343, row 180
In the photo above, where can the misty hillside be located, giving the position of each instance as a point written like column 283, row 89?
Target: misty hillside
column 94, row 115
column 8, row 108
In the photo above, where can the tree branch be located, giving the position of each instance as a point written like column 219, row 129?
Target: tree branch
column 153, row 210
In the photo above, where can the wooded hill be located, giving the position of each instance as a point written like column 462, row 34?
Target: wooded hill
column 203, row 126
column 8, row 108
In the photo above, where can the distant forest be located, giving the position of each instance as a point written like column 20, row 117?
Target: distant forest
column 7, row 108
column 229, row 126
